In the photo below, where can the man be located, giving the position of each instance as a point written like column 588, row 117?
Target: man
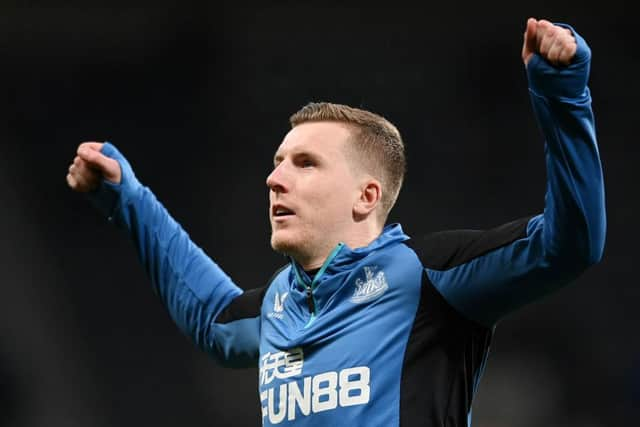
column 366, row 326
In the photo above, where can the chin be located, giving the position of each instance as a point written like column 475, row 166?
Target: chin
column 281, row 242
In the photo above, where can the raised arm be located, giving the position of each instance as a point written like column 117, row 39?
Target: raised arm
column 195, row 291
column 493, row 272
column 574, row 217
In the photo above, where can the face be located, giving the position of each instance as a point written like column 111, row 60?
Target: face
column 312, row 190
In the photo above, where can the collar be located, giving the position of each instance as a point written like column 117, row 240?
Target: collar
column 342, row 257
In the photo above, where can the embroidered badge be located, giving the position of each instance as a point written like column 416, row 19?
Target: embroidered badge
column 372, row 287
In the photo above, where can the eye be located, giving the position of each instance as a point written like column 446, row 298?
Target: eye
column 305, row 161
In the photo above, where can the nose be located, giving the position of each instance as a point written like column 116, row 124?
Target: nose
column 276, row 180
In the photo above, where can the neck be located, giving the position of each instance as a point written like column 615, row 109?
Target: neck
column 358, row 238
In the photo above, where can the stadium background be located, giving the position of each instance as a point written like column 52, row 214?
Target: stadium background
column 197, row 96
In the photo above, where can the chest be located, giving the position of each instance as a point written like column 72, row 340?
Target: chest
column 344, row 353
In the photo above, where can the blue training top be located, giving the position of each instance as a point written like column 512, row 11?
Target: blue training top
column 396, row 333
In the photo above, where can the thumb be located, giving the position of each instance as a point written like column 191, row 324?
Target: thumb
column 529, row 43
column 110, row 168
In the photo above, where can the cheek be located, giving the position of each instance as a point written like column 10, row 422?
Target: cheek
column 336, row 201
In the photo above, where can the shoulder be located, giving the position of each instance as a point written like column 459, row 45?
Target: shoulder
column 446, row 249
column 248, row 304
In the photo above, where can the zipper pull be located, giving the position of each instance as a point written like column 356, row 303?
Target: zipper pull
column 312, row 307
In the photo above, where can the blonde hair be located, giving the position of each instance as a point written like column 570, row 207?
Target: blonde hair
column 377, row 144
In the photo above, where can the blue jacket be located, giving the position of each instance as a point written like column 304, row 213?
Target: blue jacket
column 396, row 333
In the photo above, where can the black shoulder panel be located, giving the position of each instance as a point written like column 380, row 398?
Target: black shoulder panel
column 246, row 305
column 446, row 249
column 443, row 357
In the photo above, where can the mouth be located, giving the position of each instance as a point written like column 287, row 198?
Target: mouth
column 281, row 212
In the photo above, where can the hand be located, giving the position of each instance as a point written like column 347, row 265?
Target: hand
column 554, row 43
column 90, row 166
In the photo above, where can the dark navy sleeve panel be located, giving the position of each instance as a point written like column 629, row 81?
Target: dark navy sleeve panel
column 244, row 306
column 236, row 344
column 247, row 305
column 444, row 254
column 235, row 334
column 489, row 286
column 446, row 249
column 191, row 286
column 444, row 359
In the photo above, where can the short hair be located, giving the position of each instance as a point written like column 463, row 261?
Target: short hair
column 377, row 144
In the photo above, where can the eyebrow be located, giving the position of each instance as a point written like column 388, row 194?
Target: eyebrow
column 278, row 157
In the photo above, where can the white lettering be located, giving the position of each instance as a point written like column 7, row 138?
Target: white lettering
column 324, row 391
column 359, row 385
column 276, row 417
column 263, row 397
column 302, row 400
column 282, row 365
column 317, row 393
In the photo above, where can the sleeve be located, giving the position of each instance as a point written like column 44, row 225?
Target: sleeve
column 193, row 288
column 507, row 267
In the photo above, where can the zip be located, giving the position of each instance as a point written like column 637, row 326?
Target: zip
column 309, row 287
column 310, row 303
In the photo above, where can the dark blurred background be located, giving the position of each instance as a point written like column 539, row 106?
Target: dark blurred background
column 197, row 96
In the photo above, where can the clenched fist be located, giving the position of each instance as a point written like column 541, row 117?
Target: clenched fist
column 554, row 43
column 90, row 166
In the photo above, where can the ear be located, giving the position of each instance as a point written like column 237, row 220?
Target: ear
column 370, row 195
